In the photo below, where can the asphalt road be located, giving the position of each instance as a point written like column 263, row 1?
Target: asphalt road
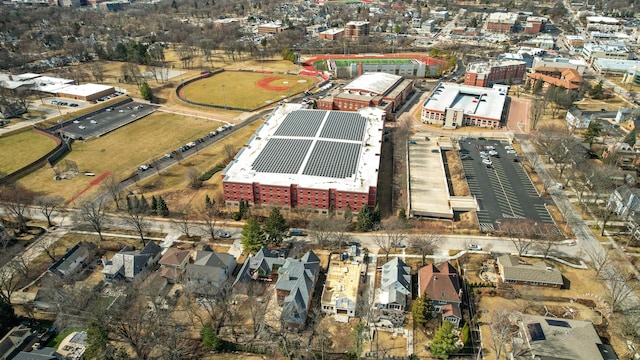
column 503, row 190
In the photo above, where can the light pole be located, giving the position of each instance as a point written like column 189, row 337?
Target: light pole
column 224, row 97
column 288, row 89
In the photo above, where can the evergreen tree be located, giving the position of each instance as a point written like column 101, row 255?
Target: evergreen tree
column 145, row 91
column 144, row 204
column 129, row 203
column 174, row 5
column 376, row 216
column 421, row 310
column 275, row 227
column 597, row 92
column 97, row 339
column 252, row 236
column 465, row 333
column 8, row 317
column 208, row 203
column 163, row 209
column 348, row 215
column 444, row 341
column 209, row 338
column 593, row 131
column 402, row 215
column 154, row 206
column 364, row 222
column 537, row 87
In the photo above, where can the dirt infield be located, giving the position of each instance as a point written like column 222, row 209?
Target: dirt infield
column 266, row 84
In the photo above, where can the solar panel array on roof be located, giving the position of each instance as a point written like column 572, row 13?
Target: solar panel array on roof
column 558, row 323
column 282, row 156
column 344, row 126
column 301, row 123
column 535, row 330
column 333, row 159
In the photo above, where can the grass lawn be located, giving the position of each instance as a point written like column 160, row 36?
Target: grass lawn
column 58, row 339
column 347, row 62
column 172, row 184
column 122, row 151
column 22, row 148
column 241, row 89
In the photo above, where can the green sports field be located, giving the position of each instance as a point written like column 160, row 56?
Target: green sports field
column 22, row 148
column 245, row 90
column 347, row 62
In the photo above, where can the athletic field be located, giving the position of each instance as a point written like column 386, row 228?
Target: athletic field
column 244, row 90
column 347, row 62
column 22, row 148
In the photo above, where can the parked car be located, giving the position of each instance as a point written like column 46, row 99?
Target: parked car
column 297, row 232
column 475, row 247
column 144, row 167
column 224, row 234
column 82, row 127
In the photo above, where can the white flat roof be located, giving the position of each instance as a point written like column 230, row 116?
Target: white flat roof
column 482, row 67
column 602, row 19
column 375, row 82
column 333, row 31
column 617, row 65
column 36, row 81
column 502, row 17
column 84, row 89
column 473, row 100
column 428, row 190
column 312, row 149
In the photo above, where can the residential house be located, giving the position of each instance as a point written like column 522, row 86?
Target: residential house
column 45, row 353
column 625, row 157
column 555, row 338
column 624, row 201
column 128, row 263
column 15, row 341
column 625, row 114
column 294, row 288
column 72, row 261
column 443, row 286
column 394, row 292
column 540, row 273
column 173, row 263
column 263, row 266
column 577, row 119
column 340, row 292
column 210, row 270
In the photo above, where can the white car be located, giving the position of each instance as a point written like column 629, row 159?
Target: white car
column 93, row 122
column 508, row 147
column 512, row 152
column 475, row 247
column 493, row 153
column 486, row 161
column 76, row 122
column 82, row 127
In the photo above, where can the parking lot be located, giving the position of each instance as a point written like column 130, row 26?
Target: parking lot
column 500, row 184
column 107, row 120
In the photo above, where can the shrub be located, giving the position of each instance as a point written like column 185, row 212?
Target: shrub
column 207, row 175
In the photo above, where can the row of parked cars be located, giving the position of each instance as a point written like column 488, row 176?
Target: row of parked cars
column 110, row 96
column 63, row 103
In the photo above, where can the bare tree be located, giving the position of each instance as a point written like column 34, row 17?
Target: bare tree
column 137, row 217
column 536, row 111
column 501, row 331
column 620, row 287
column 425, row 243
column 193, row 178
column 12, row 276
column 520, row 232
column 229, row 152
column 600, row 259
column 114, row 188
column 94, row 213
column 208, row 216
column 15, row 201
column 183, row 222
column 391, row 237
column 47, row 205
column 97, row 70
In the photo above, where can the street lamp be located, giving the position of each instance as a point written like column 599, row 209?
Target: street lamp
column 224, row 97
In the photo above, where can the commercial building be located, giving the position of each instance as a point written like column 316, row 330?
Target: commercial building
column 603, row 23
column 591, row 51
column 86, row 92
column 632, row 76
column 487, row 74
column 271, row 28
column 331, row 34
column 501, row 22
column 309, row 158
column 565, row 78
column 573, row 42
column 381, row 90
column 356, row 29
column 560, row 63
column 614, row 67
column 535, row 24
column 226, row 23
column 454, row 105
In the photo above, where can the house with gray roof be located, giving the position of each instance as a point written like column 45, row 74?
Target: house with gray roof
column 624, row 201
column 261, row 266
column 15, row 341
column 72, row 261
column 394, row 292
column 555, row 338
column 209, row 270
column 294, row 288
column 128, row 263
column 45, row 353
column 516, row 271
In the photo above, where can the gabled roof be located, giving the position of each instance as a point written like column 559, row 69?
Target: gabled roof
column 440, row 283
column 174, row 257
column 211, row 266
column 261, row 263
column 396, row 275
column 298, row 277
column 129, row 263
column 540, row 271
column 450, row 310
column 14, row 339
column 63, row 264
